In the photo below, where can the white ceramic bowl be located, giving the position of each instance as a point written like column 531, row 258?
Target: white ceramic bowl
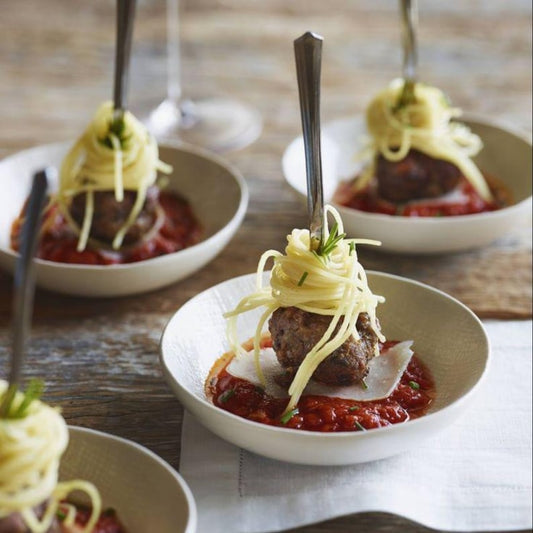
column 217, row 192
column 506, row 155
column 447, row 336
column 146, row 492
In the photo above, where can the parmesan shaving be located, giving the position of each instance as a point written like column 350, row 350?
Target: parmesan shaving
column 425, row 125
column 335, row 285
column 384, row 374
column 30, row 450
column 130, row 162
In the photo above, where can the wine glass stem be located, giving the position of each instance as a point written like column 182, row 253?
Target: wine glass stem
column 173, row 53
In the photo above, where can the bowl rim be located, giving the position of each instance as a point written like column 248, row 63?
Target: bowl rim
column 189, row 498
column 191, row 250
column 468, row 117
column 305, row 434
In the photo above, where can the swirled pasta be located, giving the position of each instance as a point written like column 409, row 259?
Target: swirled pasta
column 30, row 451
column 425, row 124
column 334, row 284
column 109, row 156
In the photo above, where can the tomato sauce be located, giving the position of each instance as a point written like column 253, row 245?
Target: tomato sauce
column 408, row 401
column 107, row 523
column 179, row 230
column 368, row 200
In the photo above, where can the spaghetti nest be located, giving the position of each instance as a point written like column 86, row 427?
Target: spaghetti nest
column 332, row 284
column 425, row 124
column 30, row 450
column 109, row 156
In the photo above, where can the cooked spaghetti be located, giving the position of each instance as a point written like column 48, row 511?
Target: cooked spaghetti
column 424, row 124
column 31, row 447
column 332, row 284
column 109, row 156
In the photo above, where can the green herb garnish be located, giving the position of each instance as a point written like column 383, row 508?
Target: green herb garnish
column 117, row 128
column 33, row 392
column 226, row 395
column 407, row 96
column 414, row 385
column 363, row 384
column 302, row 279
column 287, row 416
column 333, row 239
column 360, row 426
column 352, row 247
column 353, row 408
column 61, row 515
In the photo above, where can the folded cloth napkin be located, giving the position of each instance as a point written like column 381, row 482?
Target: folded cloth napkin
column 475, row 475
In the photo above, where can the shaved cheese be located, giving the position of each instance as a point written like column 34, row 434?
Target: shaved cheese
column 383, row 376
column 454, row 197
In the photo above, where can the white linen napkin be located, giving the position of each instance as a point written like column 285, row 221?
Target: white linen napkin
column 476, row 475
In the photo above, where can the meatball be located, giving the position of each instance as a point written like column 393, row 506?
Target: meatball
column 416, row 176
column 295, row 332
column 110, row 215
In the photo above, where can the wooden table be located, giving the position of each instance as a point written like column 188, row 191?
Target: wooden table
column 99, row 357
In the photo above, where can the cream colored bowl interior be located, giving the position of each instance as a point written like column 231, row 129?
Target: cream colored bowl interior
column 146, row 492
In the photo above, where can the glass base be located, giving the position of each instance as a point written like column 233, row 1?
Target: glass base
column 218, row 124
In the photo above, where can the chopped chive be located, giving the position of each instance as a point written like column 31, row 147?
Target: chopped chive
column 61, row 515
column 226, row 395
column 353, row 408
column 302, row 279
column 414, row 385
column 352, row 247
column 360, row 426
column 287, row 416
column 363, row 384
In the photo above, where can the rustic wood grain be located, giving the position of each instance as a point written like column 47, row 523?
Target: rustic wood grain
column 100, row 357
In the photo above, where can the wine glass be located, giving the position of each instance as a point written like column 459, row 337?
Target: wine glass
column 217, row 123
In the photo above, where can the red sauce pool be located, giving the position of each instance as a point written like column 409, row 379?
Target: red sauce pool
column 408, row 401
column 107, row 523
column 58, row 242
column 368, row 200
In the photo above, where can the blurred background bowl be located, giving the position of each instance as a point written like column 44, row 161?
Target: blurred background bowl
column 216, row 191
column 506, row 156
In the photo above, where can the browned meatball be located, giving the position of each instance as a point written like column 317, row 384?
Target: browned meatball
column 110, row 215
column 295, row 332
column 416, row 176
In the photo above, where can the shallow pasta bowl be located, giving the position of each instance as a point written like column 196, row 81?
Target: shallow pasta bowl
column 146, row 492
column 447, row 336
column 506, row 155
column 217, row 193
